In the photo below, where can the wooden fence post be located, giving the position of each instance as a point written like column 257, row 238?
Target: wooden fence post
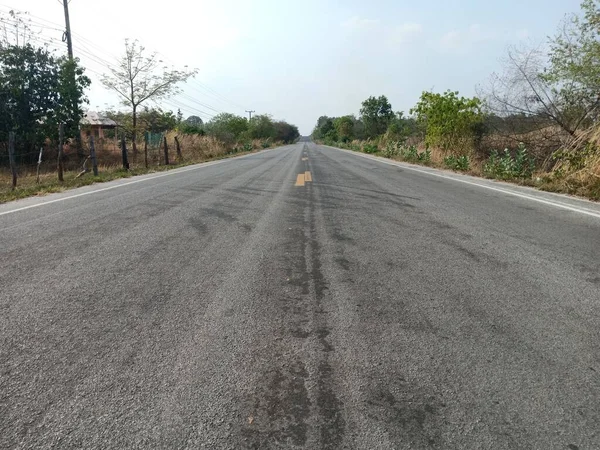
column 61, row 138
column 11, row 158
column 166, row 149
column 39, row 164
column 124, row 153
column 179, row 155
column 146, row 149
column 93, row 156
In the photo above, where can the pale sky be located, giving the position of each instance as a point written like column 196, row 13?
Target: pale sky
column 298, row 60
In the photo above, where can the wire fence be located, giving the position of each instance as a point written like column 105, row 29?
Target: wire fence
column 34, row 169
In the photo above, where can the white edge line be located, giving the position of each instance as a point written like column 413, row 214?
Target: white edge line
column 491, row 188
column 166, row 173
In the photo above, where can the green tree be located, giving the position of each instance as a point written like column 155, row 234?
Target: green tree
column 574, row 71
column 261, row 127
column 37, row 92
column 450, row 122
column 155, row 120
column 376, row 114
column 286, row 132
column 325, row 129
column 344, row 127
column 227, row 127
column 139, row 77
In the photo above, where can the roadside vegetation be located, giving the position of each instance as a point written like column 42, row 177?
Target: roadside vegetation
column 535, row 123
column 42, row 92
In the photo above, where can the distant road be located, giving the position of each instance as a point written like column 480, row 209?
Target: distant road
column 303, row 297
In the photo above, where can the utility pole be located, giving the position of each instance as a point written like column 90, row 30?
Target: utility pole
column 250, row 115
column 67, row 35
column 67, row 38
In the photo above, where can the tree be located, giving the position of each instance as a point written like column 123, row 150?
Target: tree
column 261, row 127
column 286, row 132
column 376, row 114
column 194, row 121
column 450, row 122
column 227, row 127
column 156, row 120
column 37, row 92
column 325, row 129
column 139, row 78
column 574, row 71
column 344, row 127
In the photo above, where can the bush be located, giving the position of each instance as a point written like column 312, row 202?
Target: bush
column 454, row 162
column 506, row 167
column 370, row 148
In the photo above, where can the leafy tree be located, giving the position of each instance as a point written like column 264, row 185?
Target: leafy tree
column 37, row 92
column 156, row 120
column 574, row 71
column 401, row 127
column 450, row 122
column 376, row 114
column 194, row 120
column 227, row 127
column 344, row 127
column 261, row 127
column 286, row 132
column 139, row 78
column 325, row 129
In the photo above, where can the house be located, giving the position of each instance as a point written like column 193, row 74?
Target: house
column 93, row 124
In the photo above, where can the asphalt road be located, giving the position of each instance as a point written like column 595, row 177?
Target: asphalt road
column 239, row 305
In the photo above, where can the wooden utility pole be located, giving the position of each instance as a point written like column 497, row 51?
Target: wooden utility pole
column 124, row 153
column 177, row 146
column 61, row 138
column 11, row 158
column 93, row 156
column 146, row 149
column 166, row 149
column 39, row 164
column 67, row 35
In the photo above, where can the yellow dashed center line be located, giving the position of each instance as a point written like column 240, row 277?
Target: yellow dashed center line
column 300, row 180
column 307, row 176
column 304, row 159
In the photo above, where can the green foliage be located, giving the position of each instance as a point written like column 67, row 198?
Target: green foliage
column 156, row 120
column 457, row 162
column 344, row 127
column 576, row 158
column 574, row 67
column 450, row 122
column 37, row 92
column 506, row 166
column 186, row 128
column 376, row 114
column 226, row 127
column 370, row 148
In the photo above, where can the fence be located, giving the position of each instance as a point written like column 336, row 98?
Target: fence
column 40, row 167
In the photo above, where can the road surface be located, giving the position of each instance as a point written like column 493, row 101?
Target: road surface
column 303, row 297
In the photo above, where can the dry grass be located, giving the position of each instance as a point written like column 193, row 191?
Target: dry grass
column 194, row 149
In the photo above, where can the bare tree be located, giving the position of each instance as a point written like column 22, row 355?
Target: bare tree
column 140, row 77
column 15, row 29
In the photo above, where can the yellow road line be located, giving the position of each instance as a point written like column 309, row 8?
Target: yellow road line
column 304, row 159
column 300, row 180
column 307, row 176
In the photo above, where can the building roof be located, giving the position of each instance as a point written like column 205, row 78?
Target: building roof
column 93, row 118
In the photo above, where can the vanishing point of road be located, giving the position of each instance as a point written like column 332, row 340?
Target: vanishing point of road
column 303, row 298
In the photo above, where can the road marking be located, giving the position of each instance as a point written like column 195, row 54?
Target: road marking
column 556, row 204
column 307, row 176
column 300, row 179
column 146, row 178
column 304, row 159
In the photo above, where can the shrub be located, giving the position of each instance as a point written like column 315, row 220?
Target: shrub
column 506, row 167
column 370, row 148
column 454, row 162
